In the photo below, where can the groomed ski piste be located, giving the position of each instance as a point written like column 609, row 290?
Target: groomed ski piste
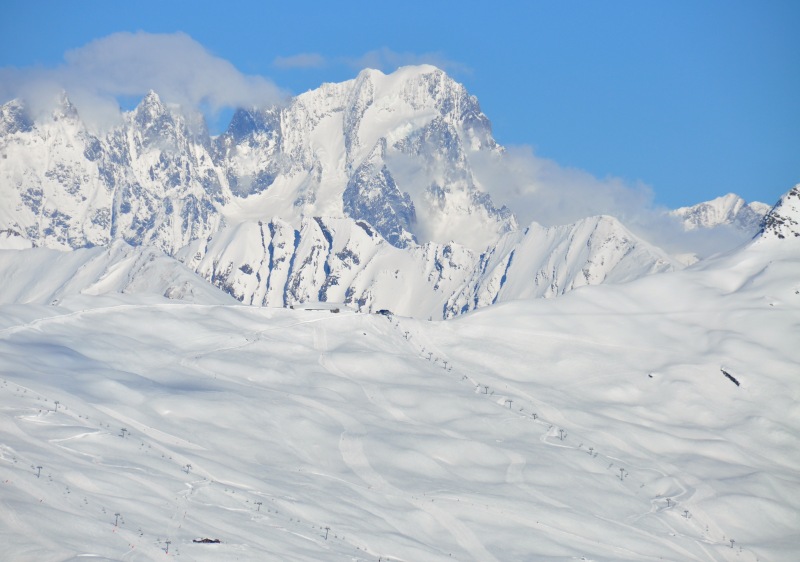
column 597, row 426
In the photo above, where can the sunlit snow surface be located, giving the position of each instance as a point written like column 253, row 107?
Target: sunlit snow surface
column 596, row 426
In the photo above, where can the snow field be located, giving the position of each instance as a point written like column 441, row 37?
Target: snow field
column 596, row 425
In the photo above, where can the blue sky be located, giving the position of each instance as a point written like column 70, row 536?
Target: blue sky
column 693, row 98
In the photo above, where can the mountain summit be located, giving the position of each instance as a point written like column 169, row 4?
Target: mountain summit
column 728, row 209
column 783, row 221
column 393, row 150
column 360, row 192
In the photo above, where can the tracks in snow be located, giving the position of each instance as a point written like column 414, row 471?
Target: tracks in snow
column 687, row 494
column 351, row 448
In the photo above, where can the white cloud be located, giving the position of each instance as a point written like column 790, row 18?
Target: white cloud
column 540, row 190
column 301, row 60
column 383, row 59
column 130, row 64
column 387, row 60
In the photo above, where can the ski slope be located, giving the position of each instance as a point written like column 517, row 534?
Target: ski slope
column 596, row 426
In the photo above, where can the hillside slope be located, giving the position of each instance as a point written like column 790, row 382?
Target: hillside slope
column 652, row 420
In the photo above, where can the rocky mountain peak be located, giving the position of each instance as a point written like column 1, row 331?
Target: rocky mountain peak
column 157, row 125
column 14, row 118
column 151, row 103
column 250, row 122
column 422, row 87
column 783, row 221
column 727, row 209
column 372, row 195
column 357, row 192
column 64, row 109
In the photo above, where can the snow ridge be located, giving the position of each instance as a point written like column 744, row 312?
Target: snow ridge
column 160, row 179
column 728, row 209
column 783, row 220
column 366, row 189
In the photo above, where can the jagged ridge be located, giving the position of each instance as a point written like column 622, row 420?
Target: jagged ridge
column 312, row 200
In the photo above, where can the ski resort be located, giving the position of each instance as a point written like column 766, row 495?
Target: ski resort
column 353, row 324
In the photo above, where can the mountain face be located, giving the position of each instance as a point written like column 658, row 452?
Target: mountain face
column 160, row 179
column 339, row 260
column 729, row 209
column 783, row 220
column 340, row 150
column 150, row 181
column 359, row 192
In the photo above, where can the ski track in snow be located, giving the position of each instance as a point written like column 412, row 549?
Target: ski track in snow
column 182, row 499
column 678, row 524
column 158, row 435
column 352, row 450
column 78, row 314
column 514, row 472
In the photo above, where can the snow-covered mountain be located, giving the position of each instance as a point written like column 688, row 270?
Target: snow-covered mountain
column 334, row 152
column 160, row 179
column 145, row 414
column 360, row 192
column 45, row 276
column 340, row 260
column 729, row 209
column 651, row 420
column 783, row 220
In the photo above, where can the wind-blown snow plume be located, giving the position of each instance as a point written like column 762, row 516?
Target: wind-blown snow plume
column 387, row 60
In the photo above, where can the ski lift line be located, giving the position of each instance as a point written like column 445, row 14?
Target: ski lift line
column 541, row 422
column 441, row 355
column 687, row 555
column 185, row 497
column 539, row 419
column 644, row 468
column 360, row 545
column 597, row 454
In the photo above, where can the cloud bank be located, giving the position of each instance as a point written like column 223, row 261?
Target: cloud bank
column 129, row 65
column 387, row 60
column 540, row 190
